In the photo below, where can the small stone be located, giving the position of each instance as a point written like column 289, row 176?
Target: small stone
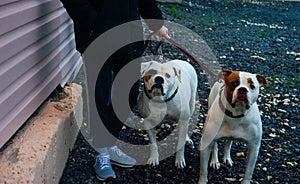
column 158, row 175
column 230, row 179
column 240, row 154
column 281, row 110
column 273, row 135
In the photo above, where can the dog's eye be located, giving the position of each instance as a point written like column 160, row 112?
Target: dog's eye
column 235, row 83
column 252, row 86
column 168, row 75
column 152, row 72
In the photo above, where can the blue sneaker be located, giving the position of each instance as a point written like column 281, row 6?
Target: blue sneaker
column 103, row 169
column 119, row 158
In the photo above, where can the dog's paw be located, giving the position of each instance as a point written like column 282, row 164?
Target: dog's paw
column 202, row 179
column 215, row 164
column 245, row 181
column 189, row 143
column 179, row 161
column 153, row 161
column 227, row 160
column 180, row 164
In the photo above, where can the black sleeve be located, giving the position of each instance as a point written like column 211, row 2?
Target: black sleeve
column 149, row 10
column 83, row 14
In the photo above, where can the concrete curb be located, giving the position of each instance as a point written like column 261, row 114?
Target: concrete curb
column 40, row 153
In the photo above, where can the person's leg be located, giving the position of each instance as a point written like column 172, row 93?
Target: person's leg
column 102, row 166
column 134, row 72
column 108, row 152
column 103, row 97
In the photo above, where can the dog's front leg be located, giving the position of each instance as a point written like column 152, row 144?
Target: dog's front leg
column 253, row 150
column 204, row 159
column 183, row 133
column 154, row 156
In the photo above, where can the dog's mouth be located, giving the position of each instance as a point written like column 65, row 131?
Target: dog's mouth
column 157, row 90
column 241, row 101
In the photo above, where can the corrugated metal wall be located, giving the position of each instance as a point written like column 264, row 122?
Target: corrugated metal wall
column 37, row 53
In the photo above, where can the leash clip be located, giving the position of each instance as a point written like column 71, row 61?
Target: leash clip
column 157, row 51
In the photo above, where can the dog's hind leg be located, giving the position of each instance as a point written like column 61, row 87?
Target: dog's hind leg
column 227, row 158
column 214, row 163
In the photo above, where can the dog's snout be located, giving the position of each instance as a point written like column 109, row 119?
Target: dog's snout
column 159, row 80
column 242, row 90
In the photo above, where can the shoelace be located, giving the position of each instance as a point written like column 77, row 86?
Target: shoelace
column 118, row 151
column 104, row 161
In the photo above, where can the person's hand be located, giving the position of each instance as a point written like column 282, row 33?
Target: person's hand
column 163, row 33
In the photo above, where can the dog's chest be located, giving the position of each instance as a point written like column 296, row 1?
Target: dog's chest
column 172, row 113
column 168, row 111
column 245, row 130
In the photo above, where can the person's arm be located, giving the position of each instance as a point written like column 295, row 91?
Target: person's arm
column 149, row 10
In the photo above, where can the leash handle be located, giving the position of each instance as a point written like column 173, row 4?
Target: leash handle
column 148, row 42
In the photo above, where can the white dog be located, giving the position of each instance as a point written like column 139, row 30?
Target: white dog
column 233, row 113
column 169, row 93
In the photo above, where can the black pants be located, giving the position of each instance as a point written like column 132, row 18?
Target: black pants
column 103, row 97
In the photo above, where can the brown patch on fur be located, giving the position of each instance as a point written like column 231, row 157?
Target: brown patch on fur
column 224, row 74
column 177, row 73
column 147, row 78
column 250, row 81
column 232, row 80
column 262, row 80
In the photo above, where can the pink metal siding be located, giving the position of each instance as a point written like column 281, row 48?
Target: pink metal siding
column 37, row 53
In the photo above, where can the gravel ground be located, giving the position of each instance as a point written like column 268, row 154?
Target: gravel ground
column 250, row 36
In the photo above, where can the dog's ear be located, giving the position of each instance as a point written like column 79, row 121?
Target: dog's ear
column 224, row 74
column 177, row 73
column 144, row 67
column 262, row 80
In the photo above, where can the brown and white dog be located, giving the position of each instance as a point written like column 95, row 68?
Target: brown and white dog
column 233, row 114
column 169, row 93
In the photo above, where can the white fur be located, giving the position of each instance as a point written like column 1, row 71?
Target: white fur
column 176, row 74
column 218, row 125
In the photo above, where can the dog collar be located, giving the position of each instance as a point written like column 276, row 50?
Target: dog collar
column 160, row 101
column 226, row 111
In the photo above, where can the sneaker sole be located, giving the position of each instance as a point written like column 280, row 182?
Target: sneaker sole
column 120, row 164
column 106, row 179
column 110, row 178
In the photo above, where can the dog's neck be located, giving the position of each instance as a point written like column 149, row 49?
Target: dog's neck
column 160, row 100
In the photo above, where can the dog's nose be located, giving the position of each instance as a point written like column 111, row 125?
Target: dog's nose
column 159, row 80
column 242, row 90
